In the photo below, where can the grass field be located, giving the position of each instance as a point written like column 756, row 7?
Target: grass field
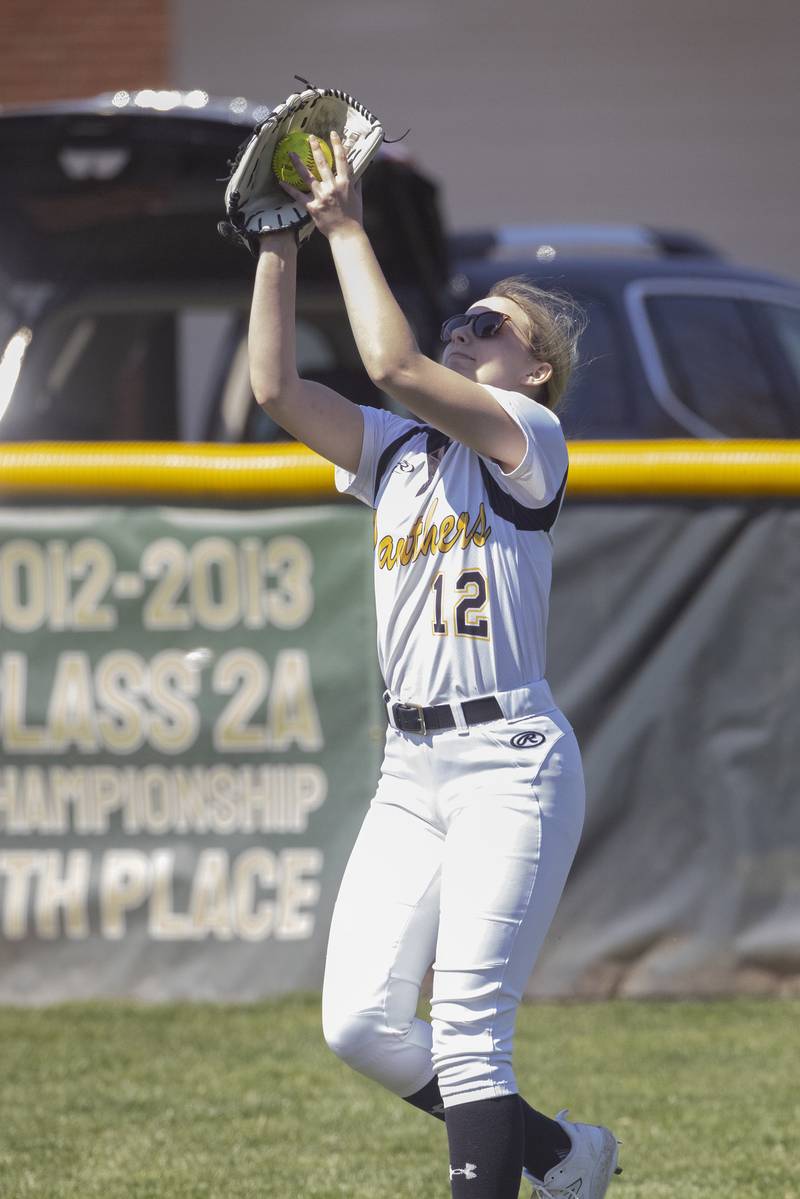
column 183, row 1102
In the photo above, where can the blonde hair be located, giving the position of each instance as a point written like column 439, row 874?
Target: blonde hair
column 556, row 323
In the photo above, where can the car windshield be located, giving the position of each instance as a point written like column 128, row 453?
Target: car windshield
column 96, row 367
column 136, row 363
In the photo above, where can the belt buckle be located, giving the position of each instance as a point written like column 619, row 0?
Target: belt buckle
column 420, row 711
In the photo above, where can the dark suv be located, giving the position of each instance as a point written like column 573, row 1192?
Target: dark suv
column 124, row 314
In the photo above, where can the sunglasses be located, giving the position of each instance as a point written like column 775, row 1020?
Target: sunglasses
column 483, row 324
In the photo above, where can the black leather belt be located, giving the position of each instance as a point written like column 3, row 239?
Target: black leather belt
column 410, row 718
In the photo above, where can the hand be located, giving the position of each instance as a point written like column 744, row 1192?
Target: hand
column 334, row 202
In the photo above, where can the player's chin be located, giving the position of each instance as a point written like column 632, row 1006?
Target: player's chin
column 462, row 366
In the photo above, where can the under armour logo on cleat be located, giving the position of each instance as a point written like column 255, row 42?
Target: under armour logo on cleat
column 469, row 1171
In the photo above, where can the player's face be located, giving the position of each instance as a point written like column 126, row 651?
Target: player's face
column 503, row 360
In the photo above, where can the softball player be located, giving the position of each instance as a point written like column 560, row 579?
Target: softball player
column 467, row 844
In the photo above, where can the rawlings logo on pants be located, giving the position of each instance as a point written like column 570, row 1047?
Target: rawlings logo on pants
column 469, row 1171
column 527, row 740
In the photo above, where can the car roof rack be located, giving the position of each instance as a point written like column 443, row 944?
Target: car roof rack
column 546, row 240
column 236, row 110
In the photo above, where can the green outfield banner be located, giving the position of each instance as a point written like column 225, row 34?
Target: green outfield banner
column 191, row 729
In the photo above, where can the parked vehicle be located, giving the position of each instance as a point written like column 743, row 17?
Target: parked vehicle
column 124, row 314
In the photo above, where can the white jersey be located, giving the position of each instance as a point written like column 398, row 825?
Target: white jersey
column 463, row 553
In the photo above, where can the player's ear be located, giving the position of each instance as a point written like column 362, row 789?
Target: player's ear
column 539, row 373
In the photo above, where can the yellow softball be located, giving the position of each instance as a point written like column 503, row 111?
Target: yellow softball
column 296, row 142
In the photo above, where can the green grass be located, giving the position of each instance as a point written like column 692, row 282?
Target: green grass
column 122, row 1101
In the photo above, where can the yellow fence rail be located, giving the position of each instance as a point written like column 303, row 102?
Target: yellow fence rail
column 289, row 471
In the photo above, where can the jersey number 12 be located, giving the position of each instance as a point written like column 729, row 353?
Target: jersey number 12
column 471, row 586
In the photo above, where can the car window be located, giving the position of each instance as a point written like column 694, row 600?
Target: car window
column 714, row 365
column 96, row 375
column 599, row 398
column 112, row 367
column 137, row 371
column 786, row 324
column 130, row 364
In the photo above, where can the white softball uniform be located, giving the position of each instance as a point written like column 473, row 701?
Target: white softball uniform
column 468, row 841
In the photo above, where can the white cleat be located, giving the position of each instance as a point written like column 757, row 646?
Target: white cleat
column 587, row 1169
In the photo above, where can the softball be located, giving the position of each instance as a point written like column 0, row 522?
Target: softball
column 297, row 143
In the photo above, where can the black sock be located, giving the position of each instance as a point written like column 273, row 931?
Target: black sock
column 486, row 1141
column 546, row 1143
column 428, row 1099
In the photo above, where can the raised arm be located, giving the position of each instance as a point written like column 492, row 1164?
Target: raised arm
column 456, row 405
column 314, row 414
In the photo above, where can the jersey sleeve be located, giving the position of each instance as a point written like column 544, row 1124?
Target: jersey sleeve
column 541, row 473
column 381, row 429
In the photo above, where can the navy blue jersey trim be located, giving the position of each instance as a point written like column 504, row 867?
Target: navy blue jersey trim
column 539, row 520
column 436, row 439
column 389, row 453
column 436, row 446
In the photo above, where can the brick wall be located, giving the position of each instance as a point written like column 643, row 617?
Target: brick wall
column 54, row 49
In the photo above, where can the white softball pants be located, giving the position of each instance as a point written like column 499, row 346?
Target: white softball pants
column 460, row 864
